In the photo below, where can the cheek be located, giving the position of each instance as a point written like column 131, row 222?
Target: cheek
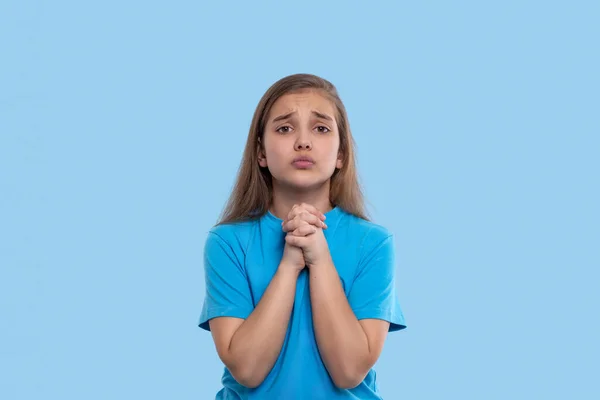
column 274, row 155
column 333, row 148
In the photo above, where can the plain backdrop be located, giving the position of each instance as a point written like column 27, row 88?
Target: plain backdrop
column 122, row 125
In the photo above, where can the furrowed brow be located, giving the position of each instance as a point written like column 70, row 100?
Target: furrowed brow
column 284, row 116
column 323, row 116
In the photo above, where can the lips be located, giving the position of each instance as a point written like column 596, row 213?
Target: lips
column 303, row 159
column 303, row 162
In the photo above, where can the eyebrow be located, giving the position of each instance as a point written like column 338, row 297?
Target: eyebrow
column 284, row 116
column 316, row 113
column 322, row 116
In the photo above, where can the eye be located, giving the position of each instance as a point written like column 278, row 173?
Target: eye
column 285, row 128
column 322, row 129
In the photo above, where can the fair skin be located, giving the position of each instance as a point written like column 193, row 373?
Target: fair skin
column 301, row 124
column 336, row 326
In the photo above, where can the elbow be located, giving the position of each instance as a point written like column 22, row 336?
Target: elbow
column 245, row 372
column 347, row 382
column 348, row 379
column 247, row 377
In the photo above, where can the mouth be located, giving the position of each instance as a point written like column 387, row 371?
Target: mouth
column 303, row 162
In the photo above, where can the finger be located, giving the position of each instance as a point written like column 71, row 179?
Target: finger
column 304, row 230
column 296, row 209
column 288, row 226
column 292, row 240
column 296, row 223
column 293, row 224
column 292, row 212
column 313, row 210
column 310, row 218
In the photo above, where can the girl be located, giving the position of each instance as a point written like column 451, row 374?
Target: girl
column 300, row 288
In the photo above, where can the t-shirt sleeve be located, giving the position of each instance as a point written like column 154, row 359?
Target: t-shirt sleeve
column 373, row 292
column 227, row 287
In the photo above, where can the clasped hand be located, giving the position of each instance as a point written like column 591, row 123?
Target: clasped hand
column 304, row 226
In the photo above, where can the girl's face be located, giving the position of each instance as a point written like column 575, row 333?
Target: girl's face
column 301, row 141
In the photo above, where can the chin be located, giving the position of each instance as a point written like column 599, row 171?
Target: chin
column 302, row 183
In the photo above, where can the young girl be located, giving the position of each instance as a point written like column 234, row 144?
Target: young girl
column 300, row 289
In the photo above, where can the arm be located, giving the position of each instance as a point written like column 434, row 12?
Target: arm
column 350, row 332
column 349, row 347
column 250, row 347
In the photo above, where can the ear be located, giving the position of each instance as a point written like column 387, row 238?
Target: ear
column 340, row 162
column 262, row 158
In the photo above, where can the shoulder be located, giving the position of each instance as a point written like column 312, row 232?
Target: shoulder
column 234, row 235
column 369, row 239
column 369, row 232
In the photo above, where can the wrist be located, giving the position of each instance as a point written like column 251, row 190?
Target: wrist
column 288, row 270
column 320, row 264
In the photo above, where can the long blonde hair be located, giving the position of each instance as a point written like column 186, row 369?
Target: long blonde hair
column 252, row 194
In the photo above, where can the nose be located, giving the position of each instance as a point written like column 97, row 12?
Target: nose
column 303, row 146
column 303, row 143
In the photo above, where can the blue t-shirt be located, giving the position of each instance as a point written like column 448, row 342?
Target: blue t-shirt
column 240, row 260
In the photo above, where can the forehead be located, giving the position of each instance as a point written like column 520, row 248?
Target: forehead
column 307, row 100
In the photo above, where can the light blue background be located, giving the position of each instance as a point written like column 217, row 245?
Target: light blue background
column 122, row 125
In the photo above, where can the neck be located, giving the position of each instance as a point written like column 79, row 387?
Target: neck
column 284, row 199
